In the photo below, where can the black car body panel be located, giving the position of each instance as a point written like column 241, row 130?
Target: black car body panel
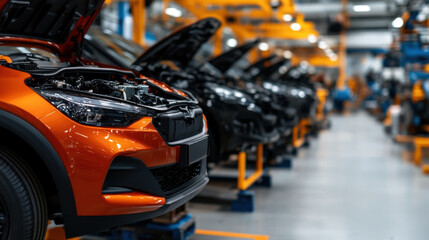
column 181, row 46
column 227, row 59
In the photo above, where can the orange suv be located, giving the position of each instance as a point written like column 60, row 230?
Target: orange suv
column 89, row 147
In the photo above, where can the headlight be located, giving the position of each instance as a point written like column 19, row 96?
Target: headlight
column 93, row 111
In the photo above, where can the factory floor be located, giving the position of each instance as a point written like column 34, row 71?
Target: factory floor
column 353, row 182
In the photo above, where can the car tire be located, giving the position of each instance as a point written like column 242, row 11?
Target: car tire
column 23, row 207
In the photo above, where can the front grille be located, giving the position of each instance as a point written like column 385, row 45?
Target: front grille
column 178, row 125
column 172, row 177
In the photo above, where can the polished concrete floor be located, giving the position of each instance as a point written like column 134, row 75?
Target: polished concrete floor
column 353, row 182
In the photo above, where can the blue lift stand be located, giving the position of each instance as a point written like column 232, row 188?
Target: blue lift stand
column 294, row 151
column 176, row 225
column 306, row 144
column 245, row 202
column 181, row 230
column 265, row 180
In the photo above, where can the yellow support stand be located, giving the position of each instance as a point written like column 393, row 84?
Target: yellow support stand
column 419, row 143
column 388, row 121
column 404, row 139
column 299, row 132
column 245, row 199
column 57, row 233
column 243, row 182
column 322, row 94
column 139, row 24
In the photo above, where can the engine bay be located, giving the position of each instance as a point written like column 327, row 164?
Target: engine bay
column 106, row 82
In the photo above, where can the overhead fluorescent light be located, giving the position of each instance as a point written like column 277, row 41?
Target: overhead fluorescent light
column 174, row 12
column 231, row 42
column 263, row 46
column 312, row 38
column 361, row 8
column 287, row 54
column 295, row 26
column 287, row 17
column 322, row 45
column 398, row 22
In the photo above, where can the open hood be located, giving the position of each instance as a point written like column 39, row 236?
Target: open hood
column 267, row 72
column 255, row 68
column 57, row 24
column 182, row 45
column 225, row 61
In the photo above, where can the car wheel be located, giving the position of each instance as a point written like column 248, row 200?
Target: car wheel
column 23, row 208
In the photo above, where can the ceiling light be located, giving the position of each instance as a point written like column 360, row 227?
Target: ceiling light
column 287, row 17
column 361, row 8
column 295, row 26
column 263, row 46
column 398, row 22
column 174, row 12
column 329, row 51
column 322, row 45
column 312, row 38
column 231, row 42
column 287, row 54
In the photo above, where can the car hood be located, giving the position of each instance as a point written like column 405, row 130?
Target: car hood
column 182, row 45
column 260, row 63
column 267, row 72
column 225, row 61
column 255, row 68
column 56, row 24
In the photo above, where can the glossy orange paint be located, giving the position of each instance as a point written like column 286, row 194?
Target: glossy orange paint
column 5, row 58
column 138, row 201
column 86, row 151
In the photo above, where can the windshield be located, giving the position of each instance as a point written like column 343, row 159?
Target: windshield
column 121, row 49
column 20, row 53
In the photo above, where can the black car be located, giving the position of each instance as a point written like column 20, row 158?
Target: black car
column 226, row 64
column 292, row 87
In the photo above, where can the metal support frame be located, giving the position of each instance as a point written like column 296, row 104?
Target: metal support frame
column 121, row 16
column 343, row 51
column 244, row 183
column 57, row 233
column 218, row 43
column 322, row 94
column 181, row 230
column 299, row 133
column 245, row 199
column 404, row 139
column 419, row 144
column 138, row 11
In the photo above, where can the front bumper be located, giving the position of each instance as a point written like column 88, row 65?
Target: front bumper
column 89, row 153
column 80, row 225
